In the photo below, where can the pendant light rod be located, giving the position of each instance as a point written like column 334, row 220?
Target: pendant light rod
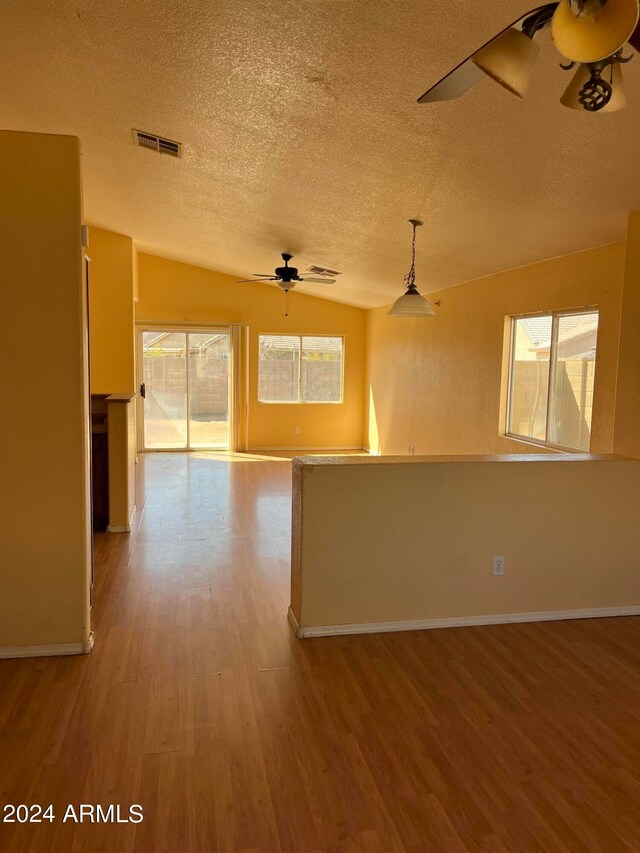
column 410, row 277
column 412, row 304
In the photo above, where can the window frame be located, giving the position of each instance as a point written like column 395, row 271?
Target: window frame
column 300, row 401
column 553, row 349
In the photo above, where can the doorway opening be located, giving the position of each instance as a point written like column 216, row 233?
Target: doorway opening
column 185, row 388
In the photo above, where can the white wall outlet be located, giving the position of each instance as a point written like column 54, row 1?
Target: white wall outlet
column 498, row 565
column 297, row 430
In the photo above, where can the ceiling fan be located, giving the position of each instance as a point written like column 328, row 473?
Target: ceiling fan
column 589, row 33
column 287, row 277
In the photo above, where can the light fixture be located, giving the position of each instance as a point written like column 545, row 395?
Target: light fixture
column 596, row 82
column 591, row 30
column 412, row 304
column 509, row 60
column 589, row 33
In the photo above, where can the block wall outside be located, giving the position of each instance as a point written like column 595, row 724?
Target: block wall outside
column 574, row 399
column 209, row 395
column 278, row 380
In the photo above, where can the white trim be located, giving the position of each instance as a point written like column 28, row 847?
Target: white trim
column 300, row 401
column 186, row 329
column 462, row 621
column 291, row 616
column 52, row 650
column 553, row 364
column 302, row 450
column 132, row 517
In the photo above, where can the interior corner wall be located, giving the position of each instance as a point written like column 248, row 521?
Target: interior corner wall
column 436, row 383
column 627, row 415
column 111, row 312
column 44, row 524
column 171, row 292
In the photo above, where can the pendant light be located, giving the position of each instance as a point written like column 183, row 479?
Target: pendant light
column 412, row 304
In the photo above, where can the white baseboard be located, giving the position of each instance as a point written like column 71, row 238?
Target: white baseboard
column 460, row 621
column 45, row 651
column 294, row 623
column 123, row 528
column 302, row 450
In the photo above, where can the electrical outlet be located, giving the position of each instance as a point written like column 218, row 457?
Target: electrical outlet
column 297, row 430
column 411, row 449
column 498, row 566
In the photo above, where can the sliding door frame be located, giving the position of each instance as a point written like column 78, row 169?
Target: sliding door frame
column 186, row 328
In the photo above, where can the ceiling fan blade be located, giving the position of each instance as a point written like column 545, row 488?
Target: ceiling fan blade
column 253, row 280
column 316, row 279
column 466, row 74
column 454, row 84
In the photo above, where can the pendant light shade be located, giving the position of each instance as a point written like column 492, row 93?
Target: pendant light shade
column 509, row 60
column 612, row 75
column 412, row 304
column 591, row 30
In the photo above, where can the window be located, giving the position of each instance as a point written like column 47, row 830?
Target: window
column 299, row 369
column 552, row 368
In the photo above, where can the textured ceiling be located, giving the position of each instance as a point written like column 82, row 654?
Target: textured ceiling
column 301, row 132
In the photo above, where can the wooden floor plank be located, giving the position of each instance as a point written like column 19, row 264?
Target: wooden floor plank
column 200, row 704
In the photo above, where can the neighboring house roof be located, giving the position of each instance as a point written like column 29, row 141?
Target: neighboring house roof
column 314, row 344
column 164, row 339
column 538, row 329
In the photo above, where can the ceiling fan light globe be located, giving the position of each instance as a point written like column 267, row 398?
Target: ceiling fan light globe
column 509, row 60
column 570, row 97
column 597, row 35
column 411, row 304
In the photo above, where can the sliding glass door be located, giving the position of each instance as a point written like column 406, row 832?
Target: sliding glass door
column 185, row 375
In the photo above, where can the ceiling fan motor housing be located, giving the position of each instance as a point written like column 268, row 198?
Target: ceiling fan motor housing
column 287, row 273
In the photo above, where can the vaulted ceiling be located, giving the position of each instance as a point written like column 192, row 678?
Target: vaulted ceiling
column 301, row 132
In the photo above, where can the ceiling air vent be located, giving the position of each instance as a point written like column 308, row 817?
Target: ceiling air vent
column 324, row 271
column 157, row 143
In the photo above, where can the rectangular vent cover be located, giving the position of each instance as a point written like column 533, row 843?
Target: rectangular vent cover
column 324, row 271
column 157, row 143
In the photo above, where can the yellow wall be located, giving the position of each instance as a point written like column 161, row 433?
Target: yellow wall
column 173, row 292
column 111, row 314
column 436, row 382
column 627, row 422
column 44, row 525
column 397, row 540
